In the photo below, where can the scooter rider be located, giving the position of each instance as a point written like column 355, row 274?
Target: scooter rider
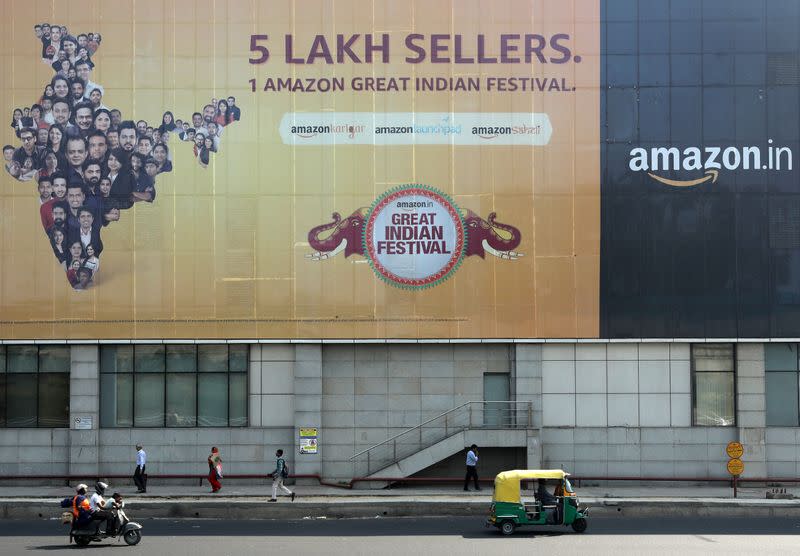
column 81, row 508
column 97, row 505
column 96, row 501
column 114, row 505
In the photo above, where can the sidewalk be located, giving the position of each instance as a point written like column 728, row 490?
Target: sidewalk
column 264, row 489
column 242, row 502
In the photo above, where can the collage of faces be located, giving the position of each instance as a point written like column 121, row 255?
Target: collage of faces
column 88, row 162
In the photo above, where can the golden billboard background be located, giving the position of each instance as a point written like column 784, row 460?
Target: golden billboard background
column 222, row 253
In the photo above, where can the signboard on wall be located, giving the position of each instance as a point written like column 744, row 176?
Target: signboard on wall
column 84, row 423
column 345, row 170
column 308, row 441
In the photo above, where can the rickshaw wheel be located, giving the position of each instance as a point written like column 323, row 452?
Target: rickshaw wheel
column 579, row 525
column 507, row 527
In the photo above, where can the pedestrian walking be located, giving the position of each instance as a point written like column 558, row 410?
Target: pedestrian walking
column 472, row 467
column 281, row 472
column 140, row 474
column 215, row 469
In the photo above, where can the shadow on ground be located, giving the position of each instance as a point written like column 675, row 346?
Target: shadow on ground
column 466, row 527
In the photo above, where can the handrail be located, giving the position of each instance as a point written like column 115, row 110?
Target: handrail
column 501, row 414
column 398, row 435
column 415, row 427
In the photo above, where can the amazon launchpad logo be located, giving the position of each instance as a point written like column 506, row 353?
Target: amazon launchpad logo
column 692, row 166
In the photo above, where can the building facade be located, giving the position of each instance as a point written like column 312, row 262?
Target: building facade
column 615, row 290
column 600, row 409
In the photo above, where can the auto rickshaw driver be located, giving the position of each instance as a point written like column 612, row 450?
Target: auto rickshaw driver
column 548, row 501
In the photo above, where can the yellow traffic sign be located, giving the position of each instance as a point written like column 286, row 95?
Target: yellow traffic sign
column 734, row 450
column 735, row 467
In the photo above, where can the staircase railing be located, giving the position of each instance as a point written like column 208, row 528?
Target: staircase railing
column 470, row 415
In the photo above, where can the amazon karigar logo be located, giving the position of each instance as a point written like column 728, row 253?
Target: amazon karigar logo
column 693, row 166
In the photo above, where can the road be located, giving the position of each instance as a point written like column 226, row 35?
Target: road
column 418, row 537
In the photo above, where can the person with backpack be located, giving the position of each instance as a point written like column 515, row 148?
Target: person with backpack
column 281, row 472
column 79, row 504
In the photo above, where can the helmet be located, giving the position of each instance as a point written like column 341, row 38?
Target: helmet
column 100, row 487
column 81, row 487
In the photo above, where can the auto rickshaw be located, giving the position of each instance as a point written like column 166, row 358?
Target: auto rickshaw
column 508, row 511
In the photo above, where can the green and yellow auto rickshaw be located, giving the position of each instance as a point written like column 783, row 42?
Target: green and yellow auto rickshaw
column 508, row 511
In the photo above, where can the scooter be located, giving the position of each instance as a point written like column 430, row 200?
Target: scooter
column 128, row 530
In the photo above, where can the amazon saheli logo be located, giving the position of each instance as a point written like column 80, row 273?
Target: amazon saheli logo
column 703, row 164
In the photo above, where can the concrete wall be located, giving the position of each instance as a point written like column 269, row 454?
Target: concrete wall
column 624, row 409
column 34, row 451
column 638, row 452
column 371, row 392
column 616, row 385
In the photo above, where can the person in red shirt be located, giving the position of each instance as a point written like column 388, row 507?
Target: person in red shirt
column 59, row 180
column 224, row 116
column 215, row 469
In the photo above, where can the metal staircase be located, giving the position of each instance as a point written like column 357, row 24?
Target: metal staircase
column 475, row 415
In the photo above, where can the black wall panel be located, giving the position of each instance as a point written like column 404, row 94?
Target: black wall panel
column 717, row 259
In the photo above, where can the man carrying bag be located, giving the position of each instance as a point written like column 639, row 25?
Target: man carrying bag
column 281, row 472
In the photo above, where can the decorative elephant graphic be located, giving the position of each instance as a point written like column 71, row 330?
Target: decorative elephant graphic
column 330, row 239
column 490, row 236
column 483, row 236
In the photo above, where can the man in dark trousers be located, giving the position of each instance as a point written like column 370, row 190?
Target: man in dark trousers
column 139, row 476
column 472, row 467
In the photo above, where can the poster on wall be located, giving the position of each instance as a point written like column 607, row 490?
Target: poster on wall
column 308, row 441
column 237, row 170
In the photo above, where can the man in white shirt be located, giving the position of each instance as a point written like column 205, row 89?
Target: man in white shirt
column 472, row 467
column 139, row 476
column 97, row 505
column 97, row 502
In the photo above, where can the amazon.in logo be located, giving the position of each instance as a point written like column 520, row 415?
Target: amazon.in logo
column 703, row 164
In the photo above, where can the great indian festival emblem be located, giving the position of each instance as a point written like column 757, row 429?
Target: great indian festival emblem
column 414, row 236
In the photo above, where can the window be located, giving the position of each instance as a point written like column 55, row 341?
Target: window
column 173, row 385
column 34, row 386
column 782, row 390
column 713, row 385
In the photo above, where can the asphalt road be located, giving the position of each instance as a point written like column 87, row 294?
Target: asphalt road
column 417, row 537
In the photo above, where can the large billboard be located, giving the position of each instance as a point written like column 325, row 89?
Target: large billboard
column 700, row 182
column 285, row 169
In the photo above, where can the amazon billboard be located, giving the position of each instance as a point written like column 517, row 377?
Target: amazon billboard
column 316, row 169
column 349, row 169
column 700, row 232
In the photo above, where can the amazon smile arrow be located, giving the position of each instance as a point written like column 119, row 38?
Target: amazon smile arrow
column 710, row 175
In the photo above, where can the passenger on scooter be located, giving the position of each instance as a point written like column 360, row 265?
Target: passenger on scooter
column 97, row 504
column 114, row 505
column 81, row 508
column 115, row 502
